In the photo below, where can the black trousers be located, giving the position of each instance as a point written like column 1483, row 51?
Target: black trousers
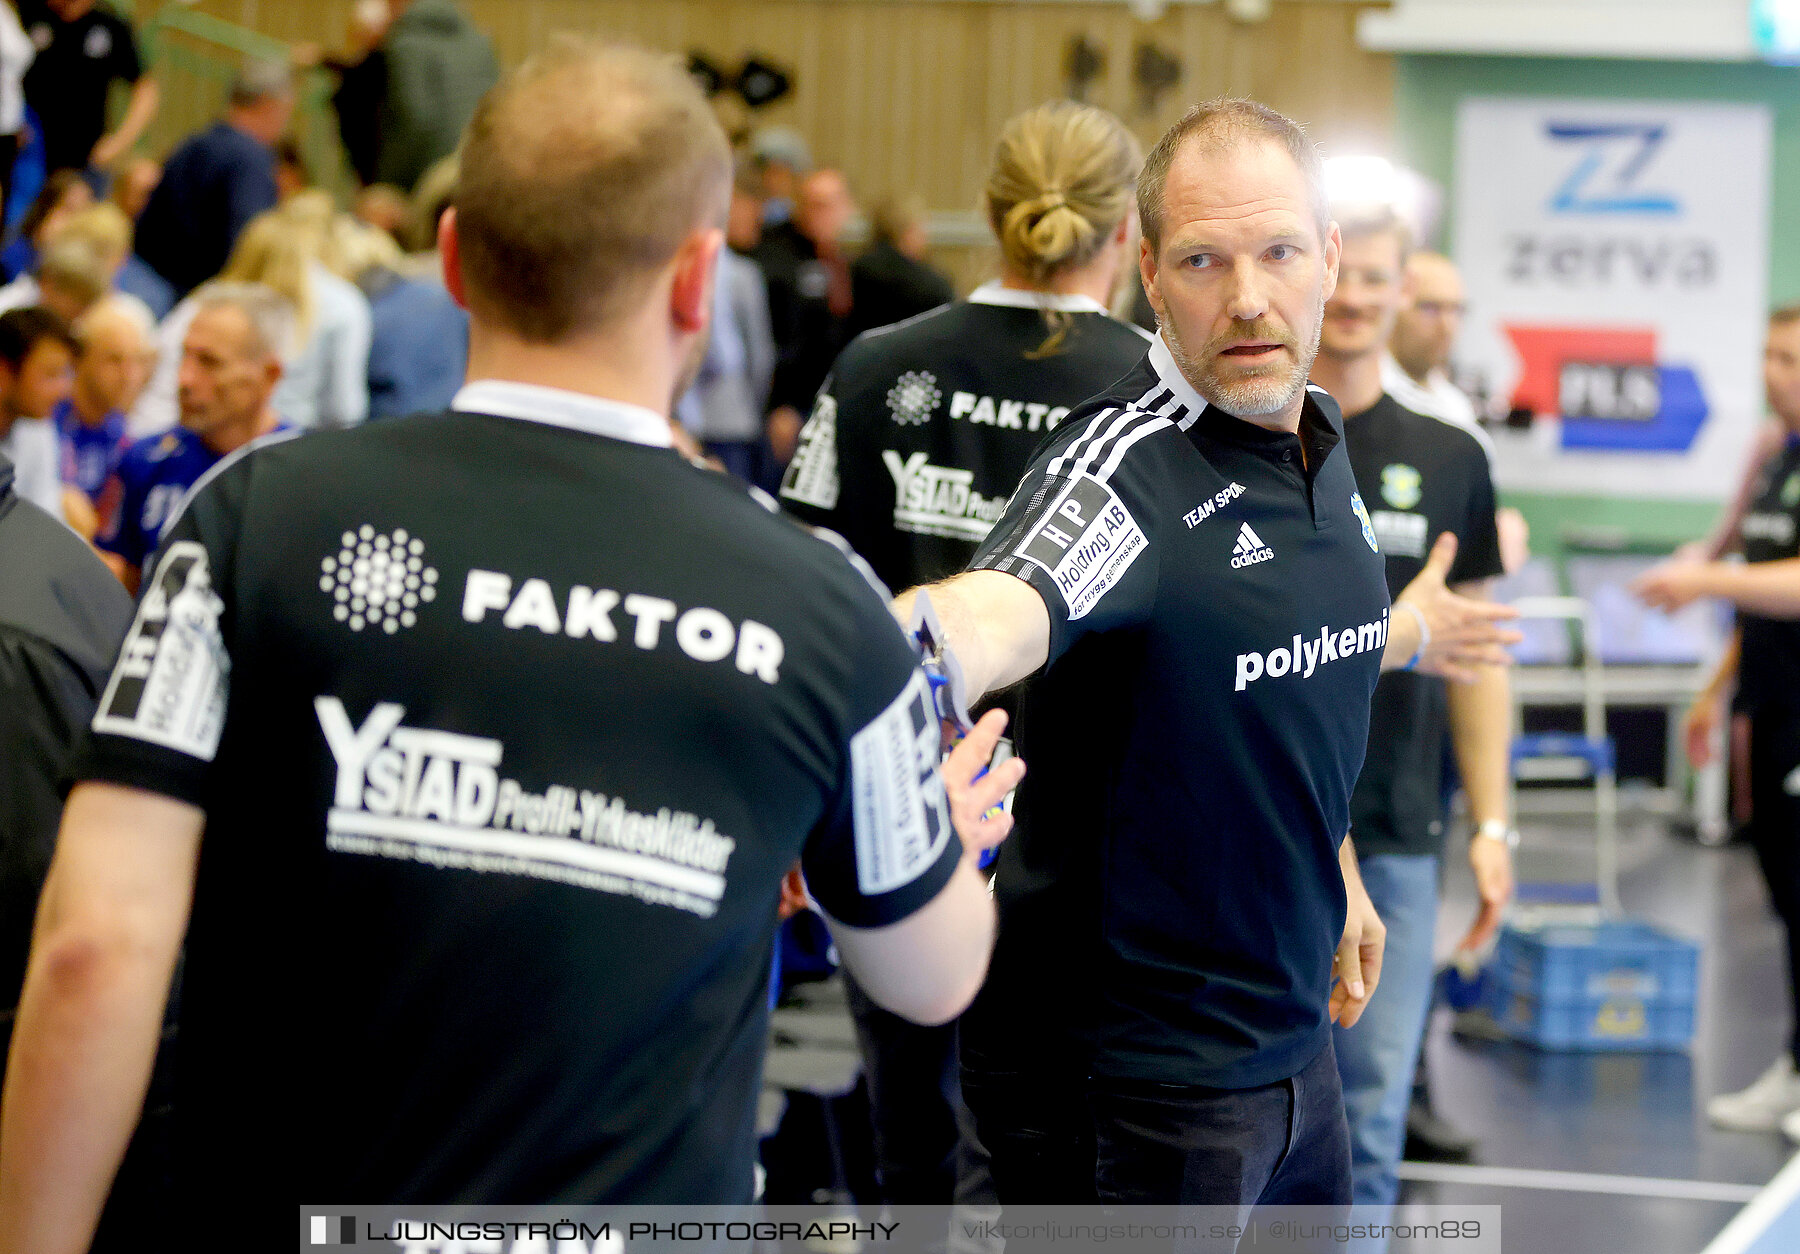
column 1133, row 1142
column 1775, row 830
column 926, row 1151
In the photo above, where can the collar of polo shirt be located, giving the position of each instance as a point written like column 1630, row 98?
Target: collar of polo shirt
column 1163, row 362
column 1316, row 434
column 994, row 293
column 558, row 407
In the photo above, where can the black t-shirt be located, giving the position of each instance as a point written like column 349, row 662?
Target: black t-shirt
column 506, row 732
column 77, row 62
column 887, row 286
column 1171, row 899
column 1769, row 663
column 1419, row 477
column 924, row 429
column 808, row 335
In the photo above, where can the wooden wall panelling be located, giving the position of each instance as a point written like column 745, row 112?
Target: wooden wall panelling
column 907, row 95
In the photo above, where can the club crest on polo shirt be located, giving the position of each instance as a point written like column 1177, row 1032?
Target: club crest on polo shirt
column 913, row 398
column 1401, row 485
column 378, row 579
column 1362, row 516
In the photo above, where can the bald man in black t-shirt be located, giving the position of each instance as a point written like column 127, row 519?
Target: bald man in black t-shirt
column 502, row 726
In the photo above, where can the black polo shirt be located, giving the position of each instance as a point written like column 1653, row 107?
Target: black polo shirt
column 1769, row 657
column 505, row 743
column 924, row 429
column 1419, row 476
column 1171, row 899
column 77, row 62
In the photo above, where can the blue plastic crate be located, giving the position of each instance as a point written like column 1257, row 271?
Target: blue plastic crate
column 1608, row 986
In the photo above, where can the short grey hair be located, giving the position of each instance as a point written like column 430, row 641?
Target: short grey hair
column 1226, row 123
column 271, row 317
column 260, row 78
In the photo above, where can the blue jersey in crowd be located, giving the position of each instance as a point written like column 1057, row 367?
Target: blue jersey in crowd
column 90, row 454
column 153, row 476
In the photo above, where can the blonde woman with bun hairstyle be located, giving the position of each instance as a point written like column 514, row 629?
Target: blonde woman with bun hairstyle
column 918, row 438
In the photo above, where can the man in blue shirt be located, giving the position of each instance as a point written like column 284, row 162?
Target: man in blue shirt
column 112, row 347
column 230, row 364
column 217, row 181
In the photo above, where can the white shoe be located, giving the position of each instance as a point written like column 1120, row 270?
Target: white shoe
column 1790, row 1127
column 1764, row 1105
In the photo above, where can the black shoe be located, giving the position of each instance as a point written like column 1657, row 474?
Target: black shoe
column 1431, row 1139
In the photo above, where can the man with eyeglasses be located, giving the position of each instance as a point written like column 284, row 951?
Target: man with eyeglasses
column 1416, row 371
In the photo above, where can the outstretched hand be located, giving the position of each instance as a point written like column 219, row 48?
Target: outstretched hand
column 972, row 799
column 1672, row 585
column 1465, row 634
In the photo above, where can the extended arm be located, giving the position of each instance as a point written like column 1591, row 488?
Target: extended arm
column 1481, row 733
column 146, row 96
column 1462, row 637
column 996, row 624
column 109, row 926
column 1771, row 589
column 928, row 966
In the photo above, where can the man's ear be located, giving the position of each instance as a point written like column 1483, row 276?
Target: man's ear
column 691, row 292
column 450, row 251
column 1334, row 248
column 1147, row 272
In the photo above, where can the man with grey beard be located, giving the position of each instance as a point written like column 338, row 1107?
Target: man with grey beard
column 1190, row 566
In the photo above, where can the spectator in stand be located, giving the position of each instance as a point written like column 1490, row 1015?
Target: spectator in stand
column 73, row 274
column 385, row 208
column 112, row 350
column 132, row 185
column 326, row 383
column 362, row 80
column 438, row 65
column 430, row 198
column 743, row 221
column 780, row 158
column 230, row 363
column 217, row 180
column 808, row 275
column 87, row 256
column 64, row 194
column 291, row 173
column 110, row 229
column 36, row 354
column 725, row 406
column 419, row 347
column 83, row 49
column 891, row 282
column 16, row 55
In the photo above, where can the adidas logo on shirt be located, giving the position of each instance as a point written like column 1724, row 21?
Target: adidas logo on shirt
column 1249, row 549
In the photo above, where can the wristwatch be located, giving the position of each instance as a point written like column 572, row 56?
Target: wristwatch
column 1496, row 829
